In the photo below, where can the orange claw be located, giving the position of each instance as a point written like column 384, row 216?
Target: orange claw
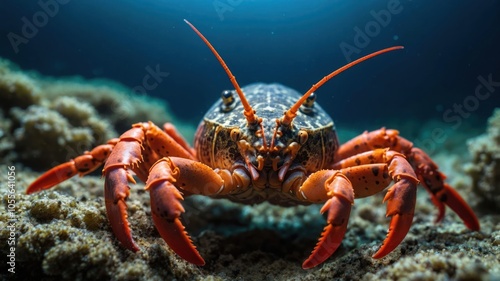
column 177, row 239
column 116, row 191
column 401, row 199
column 399, row 227
column 332, row 235
column 52, row 177
column 166, row 209
column 167, row 178
column 340, row 190
column 170, row 176
column 442, row 193
column 460, row 207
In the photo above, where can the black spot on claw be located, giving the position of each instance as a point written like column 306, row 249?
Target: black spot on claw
column 375, row 171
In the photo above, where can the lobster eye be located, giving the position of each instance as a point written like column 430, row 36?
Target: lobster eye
column 227, row 100
column 307, row 106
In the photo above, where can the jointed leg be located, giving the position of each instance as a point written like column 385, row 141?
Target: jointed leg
column 82, row 165
column 433, row 180
column 136, row 150
column 143, row 140
column 427, row 171
column 375, row 171
column 383, row 138
column 339, row 190
column 401, row 197
column 172, row 131
column 168, row 180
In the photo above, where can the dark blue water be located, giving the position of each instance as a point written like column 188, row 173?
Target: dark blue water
column 448, row 45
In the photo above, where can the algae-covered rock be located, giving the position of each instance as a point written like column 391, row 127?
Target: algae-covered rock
column 485, row 166
column 112, row 101
column 45, row 138
column 16, row 88
column 6, row 144
column 51, row 121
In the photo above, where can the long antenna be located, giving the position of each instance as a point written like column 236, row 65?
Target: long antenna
column 249, row 112
column 292, row 112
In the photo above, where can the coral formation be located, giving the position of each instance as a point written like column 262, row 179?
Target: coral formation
column 6, row 144
column 57, row 140
column 485, row 166
column 112, row 101
column 67, row 117
column 16, row 87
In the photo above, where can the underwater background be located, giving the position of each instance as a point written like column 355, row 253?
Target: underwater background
column 448, row 44
column 76, row 73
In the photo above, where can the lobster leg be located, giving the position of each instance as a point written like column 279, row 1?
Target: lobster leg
column 375, row 170
column 401, row 196
column 382, row 138
column 339, row 189
column 433, row 181
column 83, row 164
column 128, row 155
column 172, row 131
column 168, row 179
column 427, row 171
column 401, row 199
